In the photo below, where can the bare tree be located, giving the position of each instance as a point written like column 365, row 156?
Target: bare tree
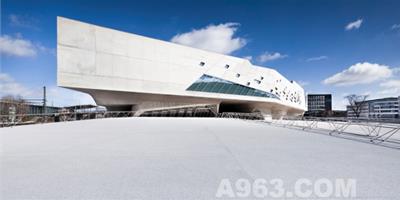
column 356, row 102
column 19, row 104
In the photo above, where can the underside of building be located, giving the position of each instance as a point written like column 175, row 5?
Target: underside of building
column 128, row 72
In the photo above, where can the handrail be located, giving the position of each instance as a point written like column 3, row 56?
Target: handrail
column 371, row 131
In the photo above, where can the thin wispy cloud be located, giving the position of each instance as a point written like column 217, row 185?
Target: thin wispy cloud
column 44, row 49
column 8, row 86
column 266, row 56
column 23, row 21
column 354, row 25
column 317, row 58
column 395, row 26
column 360, row 73
column 390, row 87
column 217, row 38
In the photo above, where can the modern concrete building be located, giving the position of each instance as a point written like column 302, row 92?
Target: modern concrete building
column 384, row 108
column 124, row 71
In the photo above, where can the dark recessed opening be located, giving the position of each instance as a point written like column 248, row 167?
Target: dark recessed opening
column 119, row 107
column 235, row 107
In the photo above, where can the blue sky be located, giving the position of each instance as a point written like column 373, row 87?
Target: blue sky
column 338, row 47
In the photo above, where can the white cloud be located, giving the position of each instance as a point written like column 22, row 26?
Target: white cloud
column 23, row 21
column 354, row 25
column 265, row 57
column 391, row 88
column 17, row 46
column 8, row 86
column 5, row 78
column 395, row 26
column 317, row 58
column 56, row 96
column 360, row 73
column 20, row 47
column 217, row 38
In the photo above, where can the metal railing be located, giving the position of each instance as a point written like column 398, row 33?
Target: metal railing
column 375, row 132
column 206, row 111
column 25, row 119
column 235, row 115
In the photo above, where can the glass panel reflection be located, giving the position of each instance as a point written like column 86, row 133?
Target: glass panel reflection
column 212, row 84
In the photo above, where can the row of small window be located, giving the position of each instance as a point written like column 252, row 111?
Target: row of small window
column 237, row 75
column 385, row 107
column 215, row 85
column 316, row 98
column 386, row 111
column 258, row 81
column 316, row 106
column 316, row 103
column 203, row 63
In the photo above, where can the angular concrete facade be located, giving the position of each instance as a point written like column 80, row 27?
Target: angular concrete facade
column 124, row 71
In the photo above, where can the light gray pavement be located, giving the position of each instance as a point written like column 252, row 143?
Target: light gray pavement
column 180, row 158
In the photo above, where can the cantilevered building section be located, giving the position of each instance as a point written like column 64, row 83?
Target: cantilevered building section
column 124, row 71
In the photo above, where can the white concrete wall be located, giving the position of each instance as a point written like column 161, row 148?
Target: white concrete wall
column 93, row 57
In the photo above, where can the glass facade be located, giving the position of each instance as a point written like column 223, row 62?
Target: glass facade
column 385, row 108
column 212, row 84
column 319, row 102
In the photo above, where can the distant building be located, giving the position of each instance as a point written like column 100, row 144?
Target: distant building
column 38, row 109
column 384, row 108
column 339, row 113
column 22, row 107
column 319, row 105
